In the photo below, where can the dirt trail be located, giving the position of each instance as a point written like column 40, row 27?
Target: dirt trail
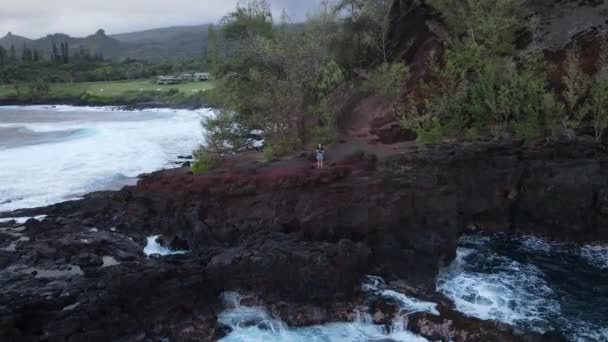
column 358, row 131
column 356, row 125
column 356, row 134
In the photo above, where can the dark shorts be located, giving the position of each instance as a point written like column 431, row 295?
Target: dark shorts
column 320, row 157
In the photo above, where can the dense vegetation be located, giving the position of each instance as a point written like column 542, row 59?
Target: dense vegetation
column 134, row 92
column 65, row 65
column 290, row 81
column 481, row 87
column 30, row 76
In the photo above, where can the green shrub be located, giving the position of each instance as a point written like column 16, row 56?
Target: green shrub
column 528, row 129
column 10, row 97
column 277, row 149
column 492, row 25
column 388, row 80
column 322, row 135
column 90, row 99
column 599, row 107
column 172, row 91
column 533, row 124
column 431, row 134
column 39, row 89
column 576, row 87
column 205, row 161
column 223, row 132
column 487, row 98
column 599, row 93
column 472, row 134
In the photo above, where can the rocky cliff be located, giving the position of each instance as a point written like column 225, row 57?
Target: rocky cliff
column 299, row 240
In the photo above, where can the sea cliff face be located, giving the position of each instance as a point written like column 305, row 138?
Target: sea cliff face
column 299, row 240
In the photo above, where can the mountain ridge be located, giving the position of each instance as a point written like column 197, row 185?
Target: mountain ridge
column 165, row 43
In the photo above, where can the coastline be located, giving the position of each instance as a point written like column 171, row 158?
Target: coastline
column 127, row 105
column 299, row 241
column 463, row 195
column 127, row 143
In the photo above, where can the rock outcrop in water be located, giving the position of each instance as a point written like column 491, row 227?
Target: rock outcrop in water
column 299, row 239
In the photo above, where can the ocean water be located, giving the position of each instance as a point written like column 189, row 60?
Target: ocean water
column 155, row 248
column 532, row 283
column 256, row 324
column 53, row 154
column 49, row 155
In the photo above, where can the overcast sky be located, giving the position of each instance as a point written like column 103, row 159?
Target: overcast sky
column 37, row 18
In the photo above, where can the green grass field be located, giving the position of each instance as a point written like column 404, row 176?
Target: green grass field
column 113, row 89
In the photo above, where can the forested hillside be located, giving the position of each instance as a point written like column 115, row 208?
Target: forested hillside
column 28, row 66
column 443, row 70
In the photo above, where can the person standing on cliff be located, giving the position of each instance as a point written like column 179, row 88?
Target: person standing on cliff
column 320, row 156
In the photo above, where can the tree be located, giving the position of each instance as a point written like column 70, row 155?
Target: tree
column 212, row 53
column 377, row 13
column 576, row 86
column 26, row 54
column 244, row 26
column 353, row 25
column 39, row 88
column 222, row 134
column 388, row 81
column 599, row 92
column 64, row 58
column 12, row 57
column 478, row 85
column 17, row 87
column 491, row 24
column 55, row 54
column 36, row 57
column 369, row 22
column 276, row 77
column 353, row 10
column 3, row 55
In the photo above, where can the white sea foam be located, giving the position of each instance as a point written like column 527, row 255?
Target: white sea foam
column 492, row 279
column 512, row 293
column 104, row 155
column 586, row 332
column 255, row 324
column 596, row 255
column 593, row 254
column 408, row 305
column 154, row 248
column 533, row 243
column 252, row 324
column 21, row 220
column 66, row 108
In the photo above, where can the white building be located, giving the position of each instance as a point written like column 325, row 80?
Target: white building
column 202, row 76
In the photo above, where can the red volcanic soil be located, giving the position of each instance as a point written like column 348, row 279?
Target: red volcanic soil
column 241, row 175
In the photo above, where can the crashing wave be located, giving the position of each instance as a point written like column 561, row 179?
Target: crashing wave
column 155, row 248
column 530, row 283
column 252, row 324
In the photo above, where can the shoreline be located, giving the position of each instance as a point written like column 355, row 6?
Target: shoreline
column 296, row 240
column 115, row 107
column 44, row 133
column 128, row 105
